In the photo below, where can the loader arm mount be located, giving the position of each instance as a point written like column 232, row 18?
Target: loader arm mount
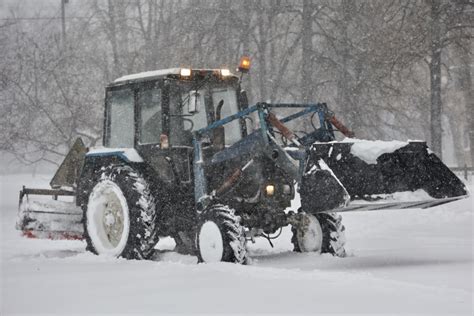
column 260, row 142
column 330, row 173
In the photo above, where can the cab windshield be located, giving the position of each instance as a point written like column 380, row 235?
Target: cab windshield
column 206, row 100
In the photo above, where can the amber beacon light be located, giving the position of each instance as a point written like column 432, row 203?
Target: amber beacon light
column 244, row 65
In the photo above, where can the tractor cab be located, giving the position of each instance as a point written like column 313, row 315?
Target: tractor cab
column 163, row 108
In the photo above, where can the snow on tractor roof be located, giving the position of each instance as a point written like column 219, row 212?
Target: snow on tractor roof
column 150, row 74
column 165, row 72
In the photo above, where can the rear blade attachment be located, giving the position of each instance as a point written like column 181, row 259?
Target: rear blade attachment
column 49, row 219
column 68, row 172
column 385, row 175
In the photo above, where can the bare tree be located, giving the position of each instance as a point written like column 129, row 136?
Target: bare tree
column 379, row 64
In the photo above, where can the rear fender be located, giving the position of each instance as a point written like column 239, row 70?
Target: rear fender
column 96, row 160
column 176, row 201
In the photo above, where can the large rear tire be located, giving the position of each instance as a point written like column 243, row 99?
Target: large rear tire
column 331, row 237
column 120, row 217
column 220, row 237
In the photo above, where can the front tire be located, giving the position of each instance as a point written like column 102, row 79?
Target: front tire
column 121, row 215
column 220, row 237
column 332, row 235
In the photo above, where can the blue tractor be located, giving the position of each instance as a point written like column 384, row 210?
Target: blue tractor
column 184, row 155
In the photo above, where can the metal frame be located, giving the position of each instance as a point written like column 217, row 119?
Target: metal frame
column 269, row 146
column 51, row 192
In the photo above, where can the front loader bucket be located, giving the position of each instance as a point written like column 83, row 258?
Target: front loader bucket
column 377, row 170
column 321, row 190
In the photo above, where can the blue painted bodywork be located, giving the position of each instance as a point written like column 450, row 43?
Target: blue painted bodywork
column 120, row 154
column 262, row 141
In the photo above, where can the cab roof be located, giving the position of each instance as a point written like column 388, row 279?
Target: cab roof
column 165, row 73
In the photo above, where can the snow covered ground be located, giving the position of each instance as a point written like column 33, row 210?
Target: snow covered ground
column 401, row 262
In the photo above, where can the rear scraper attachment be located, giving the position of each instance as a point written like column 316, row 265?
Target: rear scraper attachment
column 48, row 217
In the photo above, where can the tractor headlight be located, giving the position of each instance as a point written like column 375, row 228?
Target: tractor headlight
column 225, row 72
column 164, row 142
column 185, row 72
column 270, row 190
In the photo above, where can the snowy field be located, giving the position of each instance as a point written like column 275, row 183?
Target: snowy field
column 401, row 262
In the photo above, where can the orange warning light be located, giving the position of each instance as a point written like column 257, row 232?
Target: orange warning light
column 244, row 65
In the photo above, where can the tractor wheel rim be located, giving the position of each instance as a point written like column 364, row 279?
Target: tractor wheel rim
column 112, row 221
column 108, row 221
column 310, row 238
column 211, row 243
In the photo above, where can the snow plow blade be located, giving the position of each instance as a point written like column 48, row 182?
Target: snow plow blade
column 49, row 219
column 380, row 175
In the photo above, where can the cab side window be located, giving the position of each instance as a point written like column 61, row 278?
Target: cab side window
column 120, row 118
column 151, row 121
column 228, row 98
column 183, row 123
